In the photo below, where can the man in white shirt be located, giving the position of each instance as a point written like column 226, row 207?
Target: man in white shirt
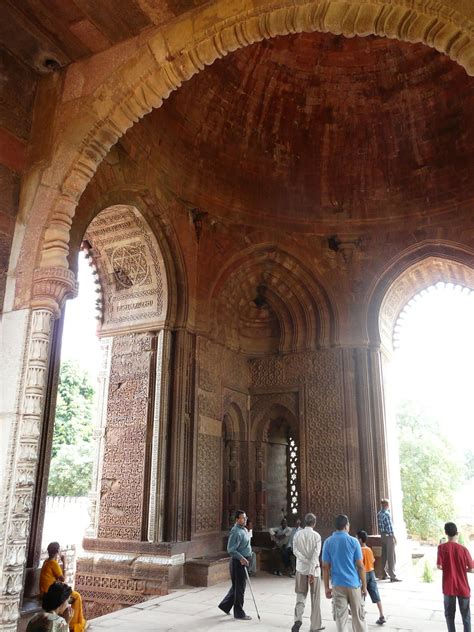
column 281, row 536
column 306, row 548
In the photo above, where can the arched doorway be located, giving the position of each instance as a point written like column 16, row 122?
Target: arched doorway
column 426, row 267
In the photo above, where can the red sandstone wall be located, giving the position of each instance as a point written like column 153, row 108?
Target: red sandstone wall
column 17, row 86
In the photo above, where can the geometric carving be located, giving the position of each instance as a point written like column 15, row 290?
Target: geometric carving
column 129, row 264
column 130, row 267
column 123, row 470
column 208, row 492
column 324, row 425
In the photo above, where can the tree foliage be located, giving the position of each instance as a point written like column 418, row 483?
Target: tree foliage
column 71, row 471
column 430, row 473
column 72, row 450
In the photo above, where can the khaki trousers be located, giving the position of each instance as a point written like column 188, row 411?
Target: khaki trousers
column 301, row 589
column 342, row 598
column 388, row 555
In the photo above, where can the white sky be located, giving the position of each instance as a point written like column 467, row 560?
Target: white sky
column 434, row 363
column 80, row 342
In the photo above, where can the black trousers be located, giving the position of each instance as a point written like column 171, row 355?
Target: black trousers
column 235, row 596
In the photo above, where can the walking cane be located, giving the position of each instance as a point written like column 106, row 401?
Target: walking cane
column 251, row 591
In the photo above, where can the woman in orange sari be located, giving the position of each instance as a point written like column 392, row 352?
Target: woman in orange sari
column 51, row 572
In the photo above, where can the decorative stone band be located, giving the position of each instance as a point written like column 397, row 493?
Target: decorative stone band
column 158, row 560
column 51, row 287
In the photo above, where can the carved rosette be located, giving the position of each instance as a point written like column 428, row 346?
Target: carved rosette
column 51, row 287
column 26, row 455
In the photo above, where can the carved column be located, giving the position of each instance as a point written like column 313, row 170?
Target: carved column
column 159, row 441
column 45, row 447
column 51, row 288
column 379, row 429
column 178, row 503
column 367, row 438
column 260, row 493
column 99, row 434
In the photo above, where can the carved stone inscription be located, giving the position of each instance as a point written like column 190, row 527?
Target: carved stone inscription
column 208, row 495
column 123, row 473
column 219, row 368
column 323, row 423
column 130, row 266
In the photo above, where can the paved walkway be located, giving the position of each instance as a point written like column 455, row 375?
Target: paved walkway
column 411, row 606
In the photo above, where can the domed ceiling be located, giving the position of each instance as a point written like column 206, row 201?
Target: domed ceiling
column 312, row 129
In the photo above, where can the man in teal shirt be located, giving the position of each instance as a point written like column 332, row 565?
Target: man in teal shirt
column 343, row 566
column 238, row 547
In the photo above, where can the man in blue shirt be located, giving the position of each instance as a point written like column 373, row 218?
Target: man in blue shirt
column 343, row 566
column 238, row 547
column 384, row 521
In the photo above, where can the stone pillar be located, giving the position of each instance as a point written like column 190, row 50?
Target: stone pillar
column 51, row 288
column 159, row 445
column 99, row 434
column 124, row 493
column 179, row 486
column 44, row 453
column 367, row 438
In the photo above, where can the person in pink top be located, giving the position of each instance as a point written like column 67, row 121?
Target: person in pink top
column 455, row 561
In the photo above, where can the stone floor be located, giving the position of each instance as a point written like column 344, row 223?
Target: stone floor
column 411, row 606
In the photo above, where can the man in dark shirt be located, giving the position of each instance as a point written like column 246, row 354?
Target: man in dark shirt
column 384, row 521
column 238, row 547
column 455, row 561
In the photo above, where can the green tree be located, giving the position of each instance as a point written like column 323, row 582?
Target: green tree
column 72, row 451
column 71, row 471
column 73, row 421
column 430, row 473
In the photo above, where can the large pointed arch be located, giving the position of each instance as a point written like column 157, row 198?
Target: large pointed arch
column 173, row 54
column 412, row 271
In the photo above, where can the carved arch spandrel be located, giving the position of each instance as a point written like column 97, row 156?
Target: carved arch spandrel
column 162, row 239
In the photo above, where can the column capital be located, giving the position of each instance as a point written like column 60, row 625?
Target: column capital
column 51, row 287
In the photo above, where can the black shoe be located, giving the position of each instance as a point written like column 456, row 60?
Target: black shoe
column 246, row 617
column 224, row 611
column 381, row 621
column 395, row 579
column 296, row 626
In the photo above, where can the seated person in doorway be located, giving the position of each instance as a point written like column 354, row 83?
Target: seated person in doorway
column 294, row 531
column 252, row 569
column 369, row 561
column 57, row 611
column 52, row 572
column 281, row 536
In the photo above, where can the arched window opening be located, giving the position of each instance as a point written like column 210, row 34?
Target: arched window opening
column 282, row 472
column 429, row 395
column 293, row 476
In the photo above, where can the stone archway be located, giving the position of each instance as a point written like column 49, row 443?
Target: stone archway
column 407, row 275
column 413, row 270
column 167, row 59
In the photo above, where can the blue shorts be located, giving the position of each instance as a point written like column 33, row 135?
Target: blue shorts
column 372, row 586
